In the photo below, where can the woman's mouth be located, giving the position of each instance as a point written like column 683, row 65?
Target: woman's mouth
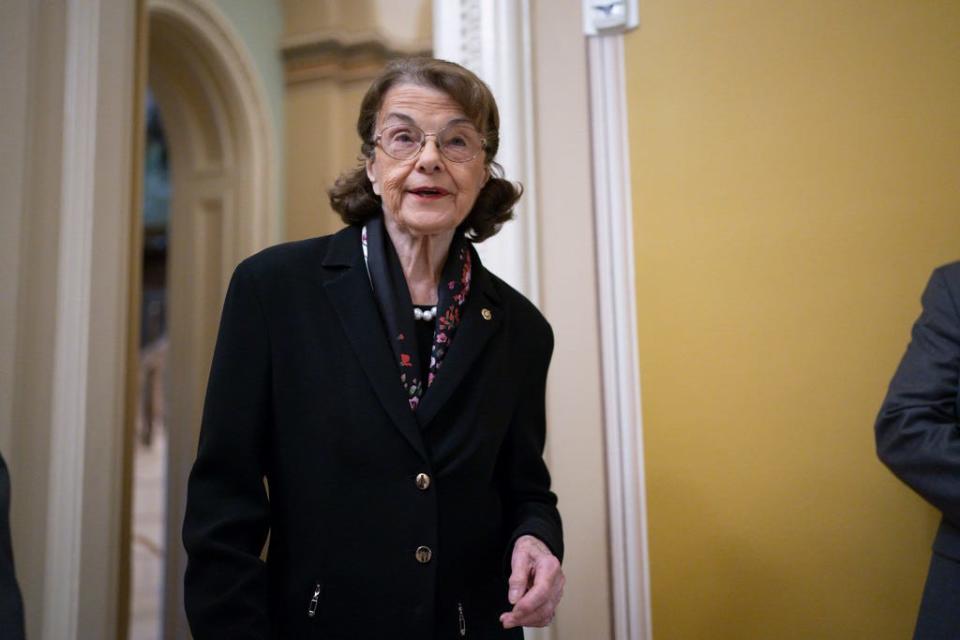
column 429, row 193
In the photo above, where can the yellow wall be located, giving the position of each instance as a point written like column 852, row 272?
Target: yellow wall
column 795, row 179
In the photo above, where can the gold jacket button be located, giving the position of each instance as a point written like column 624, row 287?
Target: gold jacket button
column 424, row 555
column 486, row 313
column 423, row 481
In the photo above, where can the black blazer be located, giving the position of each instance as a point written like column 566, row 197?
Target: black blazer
column 11, row 602
column 304, row 393
column 918, row 437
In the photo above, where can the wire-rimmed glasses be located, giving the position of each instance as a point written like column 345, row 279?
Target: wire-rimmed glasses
column 457, row 142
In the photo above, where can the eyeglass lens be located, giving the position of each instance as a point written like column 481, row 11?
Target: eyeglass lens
column 458, row 142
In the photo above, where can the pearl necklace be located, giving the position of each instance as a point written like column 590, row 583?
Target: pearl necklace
column 427, row 315
column 418, row 314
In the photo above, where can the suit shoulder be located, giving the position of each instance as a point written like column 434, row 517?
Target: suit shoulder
column 525, row 313
column 518, row 303
column 951, row 273
column 945, row 283
column 303, row 258
column 285, row 255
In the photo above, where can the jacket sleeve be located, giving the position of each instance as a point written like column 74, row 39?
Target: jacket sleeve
column 227, row 511
column 531, row 506
column 917, row 431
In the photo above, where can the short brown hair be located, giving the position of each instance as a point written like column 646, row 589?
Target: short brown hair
column 352, row 194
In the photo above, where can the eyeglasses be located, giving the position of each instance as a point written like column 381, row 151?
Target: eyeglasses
column 457, row 142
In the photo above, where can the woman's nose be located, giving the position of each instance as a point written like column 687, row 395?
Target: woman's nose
column 429, row 158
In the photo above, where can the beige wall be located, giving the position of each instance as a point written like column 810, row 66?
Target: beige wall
column 399, row 22
column 568, row 292
column 14, row 104
column 321, row 143
column 333, row 50
column 310, row 16
column 794, row 182
column 30, row 220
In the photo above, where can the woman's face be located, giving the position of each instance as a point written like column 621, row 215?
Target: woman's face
column 425, row 194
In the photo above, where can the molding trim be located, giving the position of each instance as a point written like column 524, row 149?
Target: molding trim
column 353, row 37
column 621, row 372
column 341, row 57
column 72, row 334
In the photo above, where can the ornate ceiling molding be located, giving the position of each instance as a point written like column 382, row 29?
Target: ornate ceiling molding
column 327, row 55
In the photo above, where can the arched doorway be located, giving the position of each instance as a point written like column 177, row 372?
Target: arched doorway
column 223, row 188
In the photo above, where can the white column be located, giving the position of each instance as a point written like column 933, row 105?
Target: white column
column 492, row 39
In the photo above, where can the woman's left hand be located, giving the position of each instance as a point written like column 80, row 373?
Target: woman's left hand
column 536, row 585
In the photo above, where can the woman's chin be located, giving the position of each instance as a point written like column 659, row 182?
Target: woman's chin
column 427, row 223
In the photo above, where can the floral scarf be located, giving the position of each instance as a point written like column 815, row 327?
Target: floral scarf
column 393, row 299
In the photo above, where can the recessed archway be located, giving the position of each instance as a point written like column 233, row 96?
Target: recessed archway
column 222, row 209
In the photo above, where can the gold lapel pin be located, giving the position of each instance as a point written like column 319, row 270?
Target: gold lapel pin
column 486, row 313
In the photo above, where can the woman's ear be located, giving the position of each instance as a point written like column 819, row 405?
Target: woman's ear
column 372, row 175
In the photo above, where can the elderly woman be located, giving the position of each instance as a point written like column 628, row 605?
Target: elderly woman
column 376, row 404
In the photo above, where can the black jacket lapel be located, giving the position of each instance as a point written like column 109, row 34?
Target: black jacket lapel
column 481, row 319
column 353, row 300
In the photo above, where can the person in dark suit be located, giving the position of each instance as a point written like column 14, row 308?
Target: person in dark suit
column 918, row 438
column 11, row 602
column 376, row 404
